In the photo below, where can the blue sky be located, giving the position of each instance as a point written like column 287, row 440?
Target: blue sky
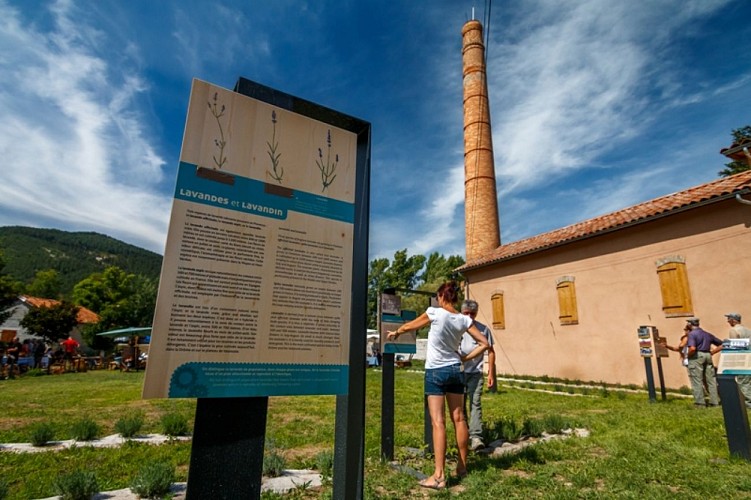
column 596, row 105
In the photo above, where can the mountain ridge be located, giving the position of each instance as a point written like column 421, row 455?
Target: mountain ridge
column 74, row 255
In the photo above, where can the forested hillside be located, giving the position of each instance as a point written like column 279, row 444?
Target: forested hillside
column 74, row 255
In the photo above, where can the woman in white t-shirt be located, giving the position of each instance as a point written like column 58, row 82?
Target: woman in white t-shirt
column 444, row 379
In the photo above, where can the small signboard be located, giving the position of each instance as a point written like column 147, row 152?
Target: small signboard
column 660, row 343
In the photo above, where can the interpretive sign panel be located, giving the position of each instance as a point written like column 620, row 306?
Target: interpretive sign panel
column 256, row 286
column 735, row 357
column 735, row 363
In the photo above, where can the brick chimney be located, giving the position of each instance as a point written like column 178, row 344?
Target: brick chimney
column 482, row 227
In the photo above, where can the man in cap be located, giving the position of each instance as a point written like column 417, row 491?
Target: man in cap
column 738, row 331
column 473, row 375
column 700, row 367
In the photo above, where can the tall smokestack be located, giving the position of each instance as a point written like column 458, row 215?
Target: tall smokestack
column 481, row 224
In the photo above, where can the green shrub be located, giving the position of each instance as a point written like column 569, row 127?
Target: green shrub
column 77, row 485
column 533, row 427
column 174, row 424
column 604, row 391
column 505, row 428
column 274, row 463
column 325, row 463
column 85, row 430
column 511, row 430
column 41, row 434
column 555, row 423
column 154, row 480
column 129, row 425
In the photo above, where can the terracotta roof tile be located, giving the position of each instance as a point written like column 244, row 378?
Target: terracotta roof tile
column 84, row 315
column 715, row 190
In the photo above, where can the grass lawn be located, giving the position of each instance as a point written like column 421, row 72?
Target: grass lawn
column 636, row 449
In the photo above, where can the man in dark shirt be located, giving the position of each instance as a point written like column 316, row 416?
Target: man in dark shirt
column 700, row 368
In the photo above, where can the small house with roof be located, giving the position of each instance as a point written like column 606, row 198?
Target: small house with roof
column 568, row 303
column 12, row 326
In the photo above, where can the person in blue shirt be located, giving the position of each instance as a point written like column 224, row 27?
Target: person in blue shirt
column 700, row 368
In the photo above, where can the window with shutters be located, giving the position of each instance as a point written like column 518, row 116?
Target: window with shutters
column 499, row 314
column 676, row 294
column 568, row 313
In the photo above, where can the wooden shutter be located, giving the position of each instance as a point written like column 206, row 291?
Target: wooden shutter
column 676, row 294
column 499, row 313
column 567, row 302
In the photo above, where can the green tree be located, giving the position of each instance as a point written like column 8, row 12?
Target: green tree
column 121, row 300
column 404, row 270
column 105, row 289
column 53, row 323
column 439, row 268
column 46, row 285
column 741, row 136
column 376, row 283
column 8, row 292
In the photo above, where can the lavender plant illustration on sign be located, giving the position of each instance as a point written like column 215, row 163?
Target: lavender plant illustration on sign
column 276, row 172
column 328, row 168
column 221, row 142
column 215, row 173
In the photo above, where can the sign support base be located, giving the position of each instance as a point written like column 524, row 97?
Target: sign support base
column 387, row 407
column 226, row 458
column 736, row 417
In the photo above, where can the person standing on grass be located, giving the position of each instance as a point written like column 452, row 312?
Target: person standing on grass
column 12, row 352
column 700, row 368
column 738, row 331
column 444, row 379
column 70, row 347
column 473, row 375
column 40, row 349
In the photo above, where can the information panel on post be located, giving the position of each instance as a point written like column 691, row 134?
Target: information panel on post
column 735, row 357
column 255, row 291
column 392, row 317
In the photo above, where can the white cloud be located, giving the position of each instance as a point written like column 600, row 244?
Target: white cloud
column 74, row 148
column 576, row 80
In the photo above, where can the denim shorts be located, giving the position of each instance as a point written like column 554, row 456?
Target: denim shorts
column 444, row 380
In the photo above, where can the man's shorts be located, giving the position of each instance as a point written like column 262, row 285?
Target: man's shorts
column 444, row 380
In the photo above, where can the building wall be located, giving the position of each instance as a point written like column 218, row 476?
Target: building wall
column 617, row 290
column 14, row 321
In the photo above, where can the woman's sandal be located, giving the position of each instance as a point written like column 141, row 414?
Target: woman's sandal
column 433, row 483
